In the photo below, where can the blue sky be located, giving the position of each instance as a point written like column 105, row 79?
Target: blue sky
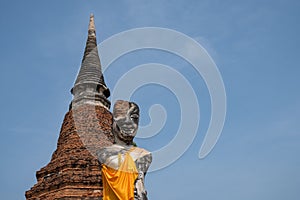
column 255, row 45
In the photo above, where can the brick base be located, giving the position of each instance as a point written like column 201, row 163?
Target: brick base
column 74, row 171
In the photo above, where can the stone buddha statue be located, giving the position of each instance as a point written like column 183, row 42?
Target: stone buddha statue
column 124, row 165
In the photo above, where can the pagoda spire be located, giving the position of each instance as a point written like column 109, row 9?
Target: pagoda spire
column 89, row 87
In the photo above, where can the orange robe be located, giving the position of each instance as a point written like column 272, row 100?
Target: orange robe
column 119, row 184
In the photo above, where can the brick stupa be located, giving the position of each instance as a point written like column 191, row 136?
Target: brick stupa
column 74, row 171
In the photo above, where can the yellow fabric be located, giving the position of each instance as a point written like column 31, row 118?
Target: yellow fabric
column 119, row 184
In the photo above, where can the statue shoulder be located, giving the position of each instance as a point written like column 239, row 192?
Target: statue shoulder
column 143, row 159
column 141, row 151
column 107, row 152
column 138, row 153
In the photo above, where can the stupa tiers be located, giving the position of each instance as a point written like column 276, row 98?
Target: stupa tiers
column 74, row 171
column 89, row 86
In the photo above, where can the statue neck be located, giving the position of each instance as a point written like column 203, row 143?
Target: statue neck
column 123, row 143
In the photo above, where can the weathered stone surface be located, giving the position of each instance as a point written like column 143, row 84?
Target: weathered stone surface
column 74, row 171
column 89, row 86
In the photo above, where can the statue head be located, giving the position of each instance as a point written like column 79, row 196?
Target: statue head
column 125, row 121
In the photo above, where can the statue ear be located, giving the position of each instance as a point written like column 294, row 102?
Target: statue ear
column 115, row 127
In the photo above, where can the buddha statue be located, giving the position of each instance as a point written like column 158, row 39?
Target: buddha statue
column 124, row 165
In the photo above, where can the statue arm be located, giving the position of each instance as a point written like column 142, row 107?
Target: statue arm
column 142, row 164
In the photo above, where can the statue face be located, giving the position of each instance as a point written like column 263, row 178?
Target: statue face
column 126, row 119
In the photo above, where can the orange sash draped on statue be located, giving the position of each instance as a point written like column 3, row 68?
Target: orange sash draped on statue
column 119, row 184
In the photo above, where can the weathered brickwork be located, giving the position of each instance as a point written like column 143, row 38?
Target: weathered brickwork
column 74, row 172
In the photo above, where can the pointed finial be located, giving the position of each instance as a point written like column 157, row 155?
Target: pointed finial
column 92, row 22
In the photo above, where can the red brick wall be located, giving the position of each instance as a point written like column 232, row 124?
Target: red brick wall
column 74, row 171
